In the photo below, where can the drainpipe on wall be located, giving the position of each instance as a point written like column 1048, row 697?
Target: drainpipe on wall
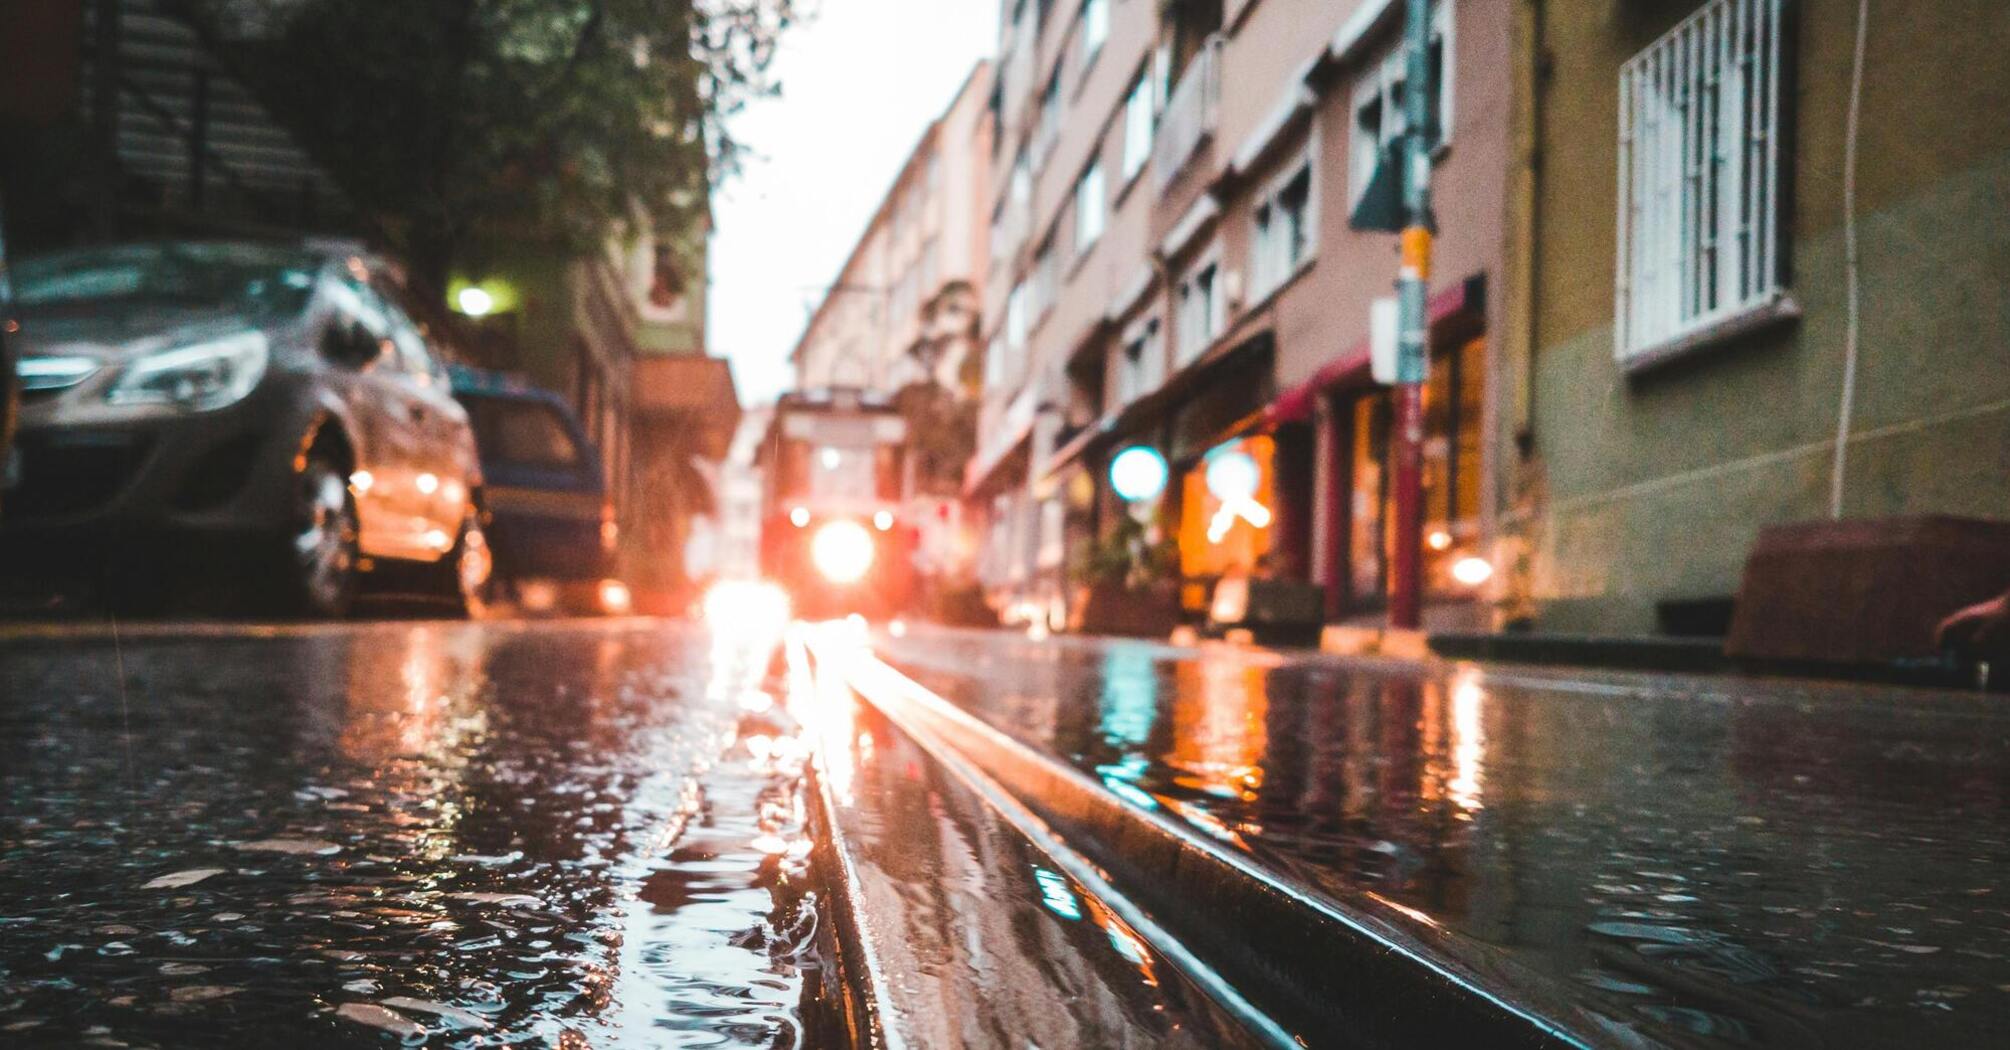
column 1525, row 490
column 1525, row 123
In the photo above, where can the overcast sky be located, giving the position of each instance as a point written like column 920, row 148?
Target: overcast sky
column 860, row 80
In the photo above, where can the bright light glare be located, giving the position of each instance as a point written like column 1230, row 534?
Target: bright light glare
column 752, row 606
column 1472, row 571
column 882, row 520
column 614, row 597
column 842, row 551
column 799, row 517
column 474, row 302
column 1438, row 540
column 831, row 458
column 897, row 628
column 427, row 484
column 1138, row 473
column 361, row 481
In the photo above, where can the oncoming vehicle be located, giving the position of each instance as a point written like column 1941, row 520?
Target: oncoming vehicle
column 260, row 418
column 550, row 525
column 831, row 530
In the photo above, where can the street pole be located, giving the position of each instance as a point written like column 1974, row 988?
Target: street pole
column 1413, row 358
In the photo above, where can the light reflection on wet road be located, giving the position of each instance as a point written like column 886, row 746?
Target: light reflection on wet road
column 1768, row 864
column 568, row 834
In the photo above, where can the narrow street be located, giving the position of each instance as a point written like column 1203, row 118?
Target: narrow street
column 643, row 833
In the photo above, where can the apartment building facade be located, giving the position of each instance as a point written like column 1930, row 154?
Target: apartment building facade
column 1173, row 267
column 1741, row 215
column 904, row 307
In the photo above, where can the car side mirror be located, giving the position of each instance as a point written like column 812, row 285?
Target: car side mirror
column 347, row 342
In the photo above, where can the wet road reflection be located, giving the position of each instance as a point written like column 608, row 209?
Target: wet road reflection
column 462, row 834
column 984, row 943
column 1764, row 864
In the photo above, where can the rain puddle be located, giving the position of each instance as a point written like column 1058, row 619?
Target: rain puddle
column 453, row 835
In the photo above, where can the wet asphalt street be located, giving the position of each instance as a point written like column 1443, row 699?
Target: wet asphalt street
column 599, row 834
column 470, row 834
column 1701, row 861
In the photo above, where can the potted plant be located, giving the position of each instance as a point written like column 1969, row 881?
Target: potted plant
column 1131, row 580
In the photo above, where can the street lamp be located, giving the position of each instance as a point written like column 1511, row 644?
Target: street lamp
column 475, row 302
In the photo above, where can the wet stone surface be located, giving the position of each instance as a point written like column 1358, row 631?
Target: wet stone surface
column 1692, row 862
column 448, row 834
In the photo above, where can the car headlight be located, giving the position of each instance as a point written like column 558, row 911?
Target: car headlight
column 200, row 377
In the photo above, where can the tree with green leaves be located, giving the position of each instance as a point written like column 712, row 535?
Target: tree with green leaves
column 454, row 123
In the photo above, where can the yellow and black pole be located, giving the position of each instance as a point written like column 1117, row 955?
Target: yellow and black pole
column 1412, row 323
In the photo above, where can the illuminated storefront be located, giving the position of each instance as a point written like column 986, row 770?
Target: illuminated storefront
column 1226, row 516
column 1454, row 399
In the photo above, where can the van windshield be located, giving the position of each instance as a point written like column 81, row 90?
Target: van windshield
column 520, row 433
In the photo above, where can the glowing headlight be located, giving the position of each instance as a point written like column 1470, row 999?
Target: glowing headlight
column 842, row 551
column 200, row 377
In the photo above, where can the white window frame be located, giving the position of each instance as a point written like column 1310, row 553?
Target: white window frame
column 1189, row 344
column 1378, row 81
column 1271, row 263
column 1700, row 231
column 1046, row 281
column 1048, row 132
column 1091, row 207
column 1140, row 366
column 1140, row 126
column 1017, row 317
column 1095, row 19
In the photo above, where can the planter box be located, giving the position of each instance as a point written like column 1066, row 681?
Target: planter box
column 1865, row 591
column 1143, row 612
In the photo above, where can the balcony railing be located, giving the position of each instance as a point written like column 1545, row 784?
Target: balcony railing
column 1189, row 115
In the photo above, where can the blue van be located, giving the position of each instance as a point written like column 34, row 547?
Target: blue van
column 551, row 525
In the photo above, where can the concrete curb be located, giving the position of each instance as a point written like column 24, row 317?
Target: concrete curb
column 1328, row 972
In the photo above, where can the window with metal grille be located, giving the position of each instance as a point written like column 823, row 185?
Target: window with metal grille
column 1700, row 176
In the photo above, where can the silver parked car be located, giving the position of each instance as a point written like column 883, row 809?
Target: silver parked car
column 259, row 416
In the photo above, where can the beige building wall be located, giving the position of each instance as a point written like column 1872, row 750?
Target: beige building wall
column 1273, row 85
column 887, row 304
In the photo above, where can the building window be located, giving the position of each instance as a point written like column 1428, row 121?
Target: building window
column 1045, row 284
column 1140, row 364
column 994, row 363
column 1095, row 28
column 1200, row 316
column 1015, row 317
column 1140, row 119
column 1378, row 102
column 1089, row 198
column 1699, row 175
column 1285, row 230
column 1049, row 131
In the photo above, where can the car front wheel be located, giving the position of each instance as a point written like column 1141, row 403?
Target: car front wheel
column 462, row 577
column 319, row 558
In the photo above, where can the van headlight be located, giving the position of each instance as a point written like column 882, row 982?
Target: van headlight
column 199, row 377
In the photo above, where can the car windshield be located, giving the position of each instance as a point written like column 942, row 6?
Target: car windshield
column 521, row 433
column 255, row 279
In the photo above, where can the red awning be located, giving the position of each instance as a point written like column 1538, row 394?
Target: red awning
column 1350, row 369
